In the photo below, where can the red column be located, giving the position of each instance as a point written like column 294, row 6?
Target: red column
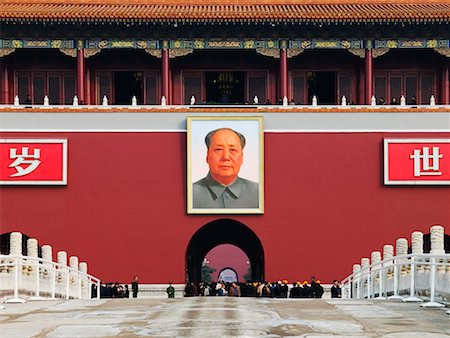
column 369, row 75
column 445, row 86
column 88, row 86
column 80, row 76
column 165, row 74
column 361, row 84
column 283, row 73
column 4, row 85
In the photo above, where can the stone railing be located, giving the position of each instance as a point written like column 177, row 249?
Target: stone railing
column 32, row 277
column 408, row 277
column 315, row 102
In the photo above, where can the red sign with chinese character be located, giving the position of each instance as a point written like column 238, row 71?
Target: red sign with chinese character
column 33, row 161
column 417, row 161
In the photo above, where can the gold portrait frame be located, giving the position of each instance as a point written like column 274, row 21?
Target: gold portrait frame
column 252, row 127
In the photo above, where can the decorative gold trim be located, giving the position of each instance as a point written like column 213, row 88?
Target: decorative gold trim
column 72, row 52
column 174, row 53
column 154, row 52
column 443, row 51
column 360, row 52
column 271, row 52
column 6, row 51
column 291, row 52
column 379, row 52
column 88, row 52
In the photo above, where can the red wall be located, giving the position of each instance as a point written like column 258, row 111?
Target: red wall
column 123, row 210
column 228, row 256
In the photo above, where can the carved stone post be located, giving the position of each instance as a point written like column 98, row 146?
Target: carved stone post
column 377, row 275
column 417, row 247
column 84, row 280
column 357, row 277
column 388, row 253
column 365, row 263
column 73, row 264
column 356, row 268
column 32, row 251
column 401, row 249
column 47, row 255
column 376, row 258
column 437, row 244
column 32, row 247
column 15, row 249
column 61, row 257
column 417, row 242
column 83, row 267
column 15, row 244
column 437, row 240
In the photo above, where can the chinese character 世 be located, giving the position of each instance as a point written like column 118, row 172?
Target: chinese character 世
column 31, row 159
column 426, row 164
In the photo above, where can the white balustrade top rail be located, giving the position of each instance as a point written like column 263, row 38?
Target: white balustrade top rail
column 81, row 279
column 422, row 259
column 370, row 280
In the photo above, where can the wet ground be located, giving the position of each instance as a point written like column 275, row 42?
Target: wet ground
column 222, row 317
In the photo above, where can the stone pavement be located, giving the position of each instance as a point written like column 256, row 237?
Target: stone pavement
column 222, row 317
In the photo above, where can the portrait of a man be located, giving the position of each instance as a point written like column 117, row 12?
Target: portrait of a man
column 224, row 187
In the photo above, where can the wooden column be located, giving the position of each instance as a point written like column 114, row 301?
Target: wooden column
column 80, row 76
column 445, row 85
column 4, row 84
column 88, row 98
column 283, row 73
column 361, row 84
column 368, row 75
column 165, row 74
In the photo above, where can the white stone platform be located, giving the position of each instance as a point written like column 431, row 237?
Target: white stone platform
column 222, row 317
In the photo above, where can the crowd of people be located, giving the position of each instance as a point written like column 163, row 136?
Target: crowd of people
column 278, row 289
column 116, row 290
column 111, row 290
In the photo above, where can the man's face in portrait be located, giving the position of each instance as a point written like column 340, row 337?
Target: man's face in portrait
column 225, row 156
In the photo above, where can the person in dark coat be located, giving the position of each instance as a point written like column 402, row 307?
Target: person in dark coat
column 295, row 291
column 316, row 289
column 135, row 286
column 170, row 291
column 336, row 291
column 306, row 292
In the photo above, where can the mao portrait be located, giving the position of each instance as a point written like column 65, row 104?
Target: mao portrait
column 225, row 165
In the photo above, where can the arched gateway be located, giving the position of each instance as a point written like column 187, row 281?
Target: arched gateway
column 223, row 231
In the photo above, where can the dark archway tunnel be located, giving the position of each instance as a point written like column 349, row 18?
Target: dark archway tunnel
column 223, row 231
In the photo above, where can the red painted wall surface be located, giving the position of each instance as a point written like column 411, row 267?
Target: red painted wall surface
column 123, row 210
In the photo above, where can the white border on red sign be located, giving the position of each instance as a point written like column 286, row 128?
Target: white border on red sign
column 64, row 159
column 409, row 140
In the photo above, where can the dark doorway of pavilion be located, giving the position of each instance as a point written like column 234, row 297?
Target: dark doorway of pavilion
column 225, row 87
column 223, row 231
column 127, row 85
column 323, row 85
